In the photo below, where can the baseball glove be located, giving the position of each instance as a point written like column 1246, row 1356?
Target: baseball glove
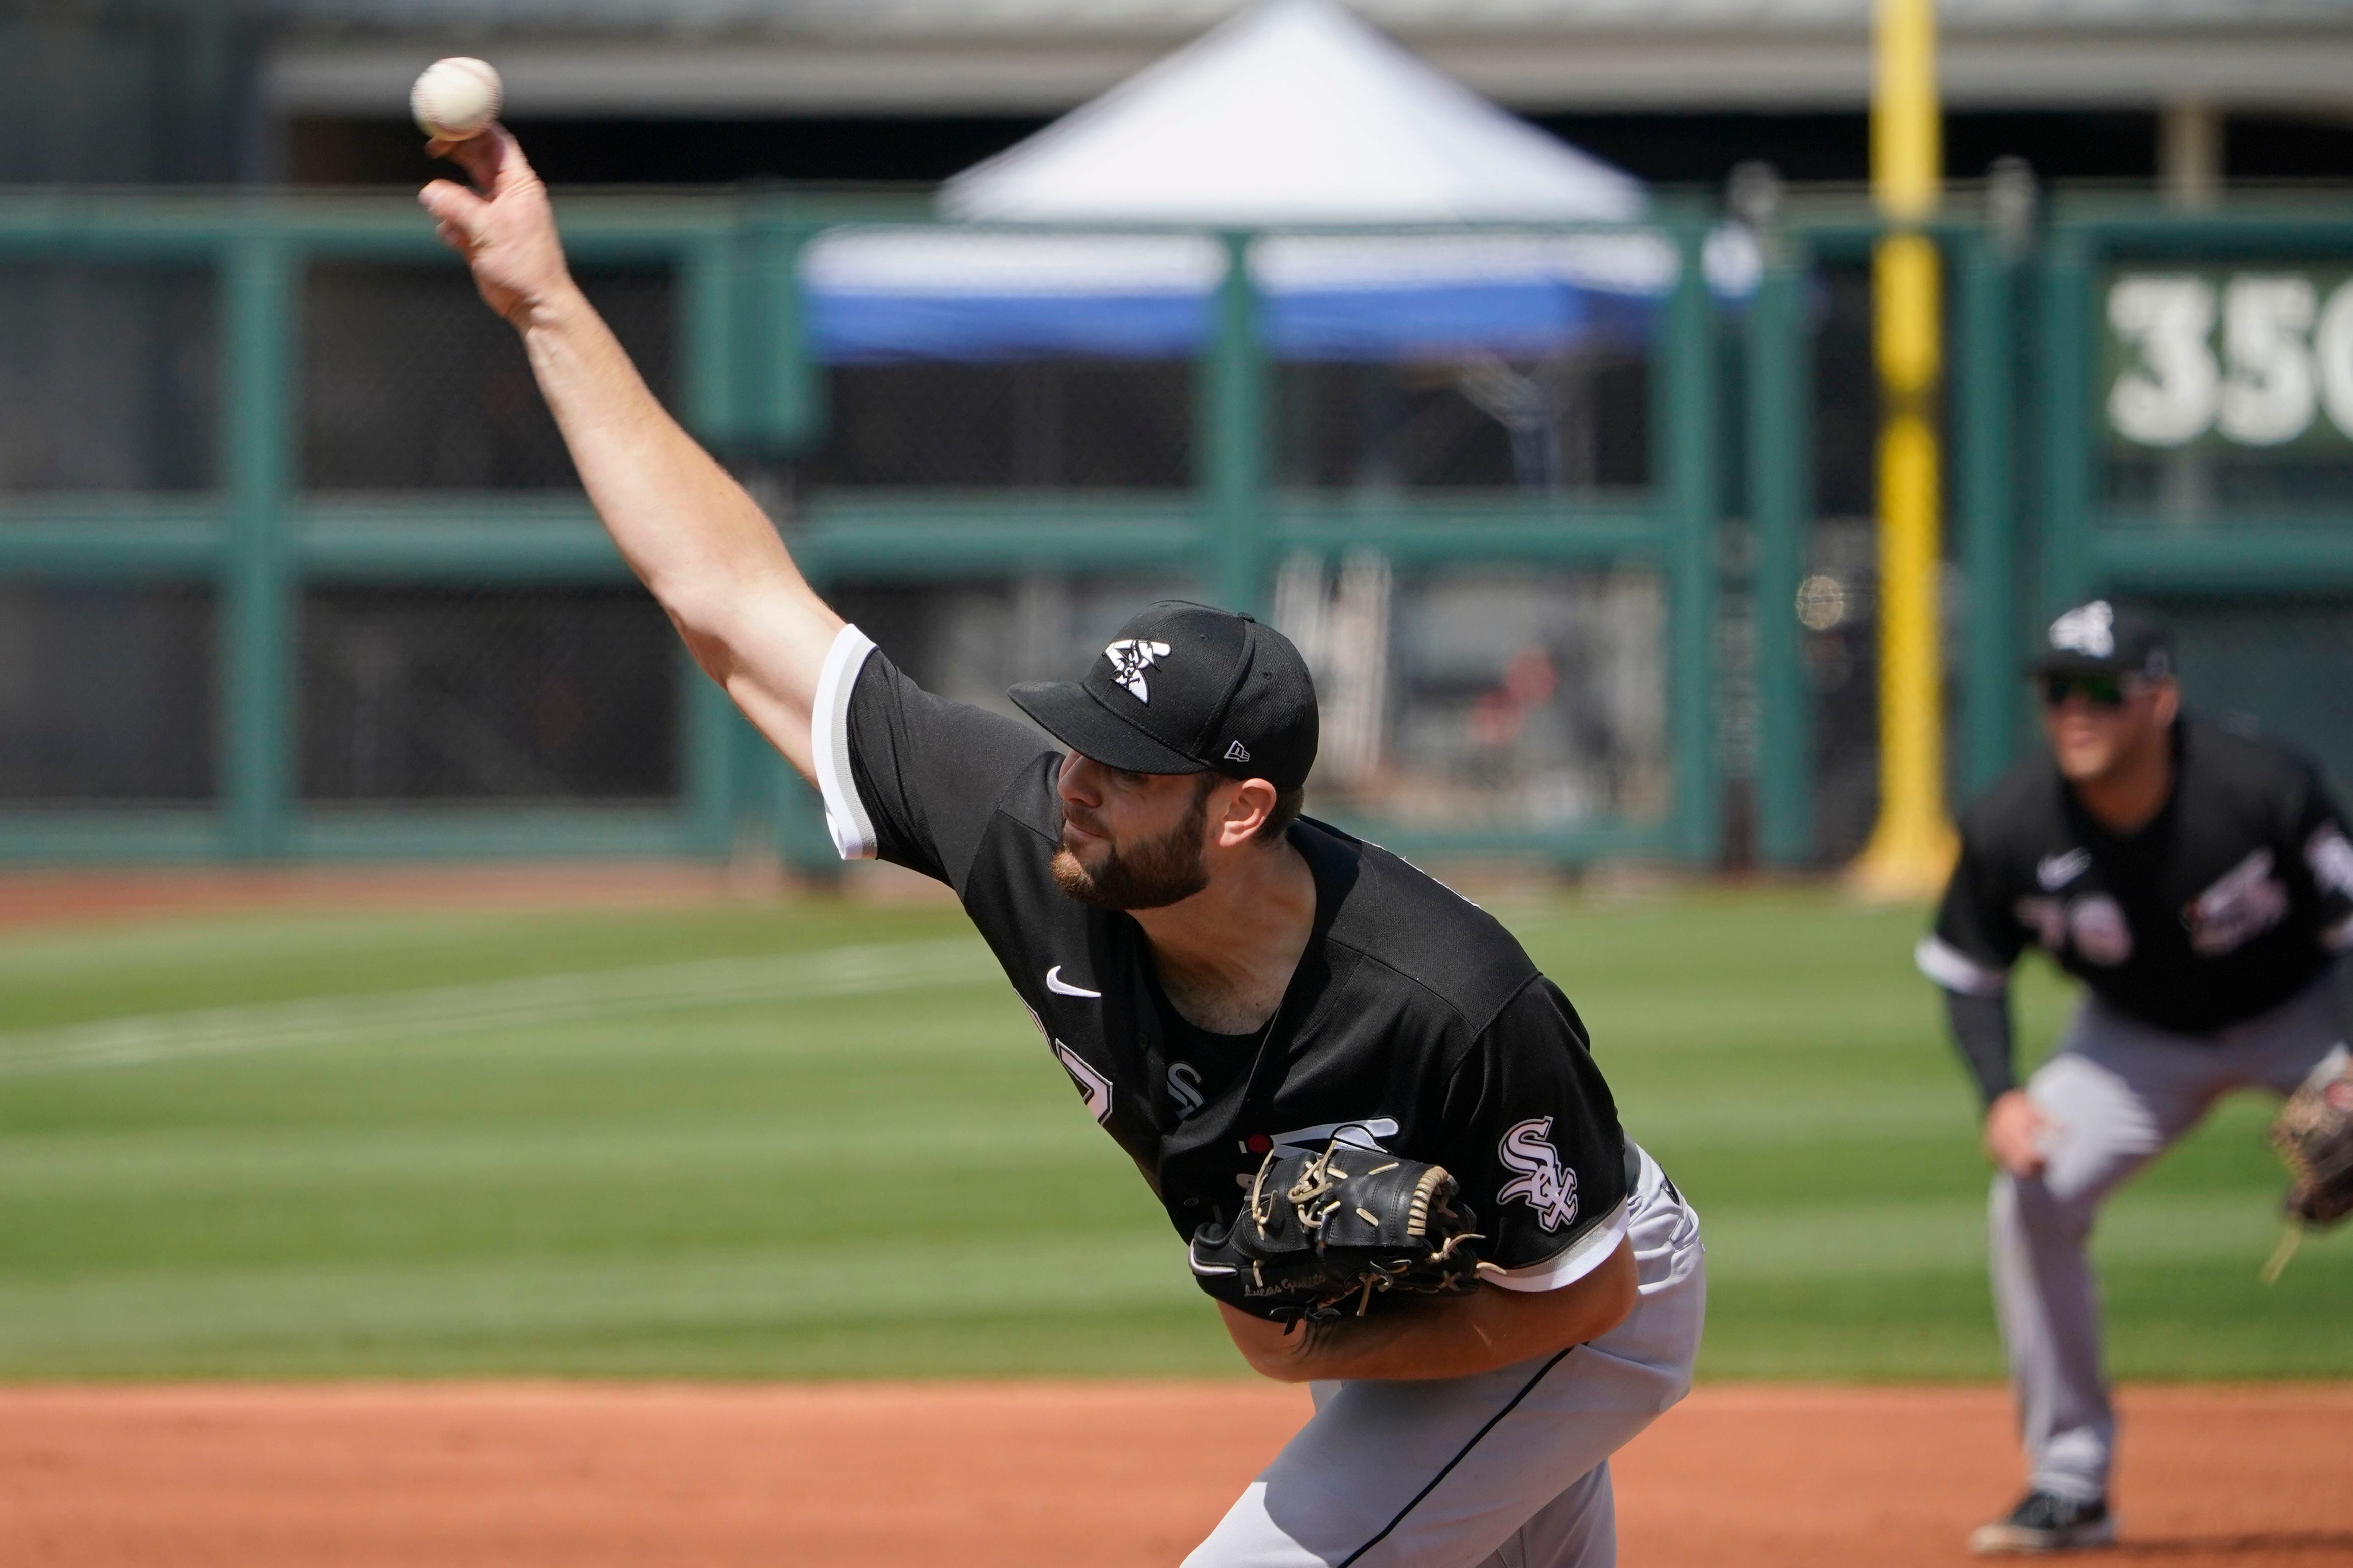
column 1321, row 1231
column 2314, row 1136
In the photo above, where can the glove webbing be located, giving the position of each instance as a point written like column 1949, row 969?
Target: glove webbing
column 1318, row 1178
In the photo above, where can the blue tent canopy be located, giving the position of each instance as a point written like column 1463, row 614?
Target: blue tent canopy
column 1293, row 114
column 977, row 295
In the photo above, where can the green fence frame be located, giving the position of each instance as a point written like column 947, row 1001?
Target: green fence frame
column 1779, row 401
column 748, row 388
column 2028, row 529
column 1980, row 285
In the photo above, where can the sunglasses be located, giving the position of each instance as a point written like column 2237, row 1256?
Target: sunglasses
column 2098, row 691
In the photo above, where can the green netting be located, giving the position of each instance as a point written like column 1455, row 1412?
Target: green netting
column 106, row 693
column 521, row 694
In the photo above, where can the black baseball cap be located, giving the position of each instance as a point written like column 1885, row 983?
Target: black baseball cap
column 1187, row 688
column 2099, row 637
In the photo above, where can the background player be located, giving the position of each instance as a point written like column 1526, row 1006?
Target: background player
column 1219, row 979
column 2199, row 883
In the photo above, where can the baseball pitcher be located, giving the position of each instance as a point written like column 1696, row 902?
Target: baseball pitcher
column 1387, row 1152
column 2199, row 883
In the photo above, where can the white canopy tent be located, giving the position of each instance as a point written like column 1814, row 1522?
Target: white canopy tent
column 1293, row 114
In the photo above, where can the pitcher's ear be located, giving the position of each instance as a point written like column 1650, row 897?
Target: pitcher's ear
column 1246, row 812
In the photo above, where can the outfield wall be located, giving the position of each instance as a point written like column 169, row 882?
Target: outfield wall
column 292, row 563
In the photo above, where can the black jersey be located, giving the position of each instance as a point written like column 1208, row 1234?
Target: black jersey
column 2232, row 899
column 1414, row 1022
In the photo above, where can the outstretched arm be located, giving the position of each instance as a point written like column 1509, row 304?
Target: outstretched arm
column 686, row 528
column 1416, row 1337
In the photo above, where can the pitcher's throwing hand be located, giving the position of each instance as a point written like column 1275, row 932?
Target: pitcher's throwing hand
column 503, row 225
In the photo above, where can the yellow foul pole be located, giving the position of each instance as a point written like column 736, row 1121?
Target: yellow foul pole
column 1912, row 847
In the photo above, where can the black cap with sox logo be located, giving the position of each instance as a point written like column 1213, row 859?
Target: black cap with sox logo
column 1187, row 688
column 2099, row 637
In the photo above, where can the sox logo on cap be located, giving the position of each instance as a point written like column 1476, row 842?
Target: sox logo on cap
column 2087, row 628
column 1130, row 658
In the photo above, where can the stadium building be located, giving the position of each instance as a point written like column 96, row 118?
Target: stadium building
column 2188, row 92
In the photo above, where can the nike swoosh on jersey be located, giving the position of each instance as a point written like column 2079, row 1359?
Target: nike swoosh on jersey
column 1061, row 987
column 2056, row 871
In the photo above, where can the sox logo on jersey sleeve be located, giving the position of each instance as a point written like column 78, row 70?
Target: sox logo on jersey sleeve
column 1542, row 1182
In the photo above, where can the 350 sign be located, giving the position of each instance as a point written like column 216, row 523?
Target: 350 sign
column 2250, row 359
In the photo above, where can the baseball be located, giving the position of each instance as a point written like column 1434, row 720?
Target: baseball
column 455, row 98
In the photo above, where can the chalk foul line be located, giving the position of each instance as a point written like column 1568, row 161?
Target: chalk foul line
column 534, row 1001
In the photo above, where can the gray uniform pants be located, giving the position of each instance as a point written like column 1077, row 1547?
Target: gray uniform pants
column 1507, row 1469
column 2121, row 1093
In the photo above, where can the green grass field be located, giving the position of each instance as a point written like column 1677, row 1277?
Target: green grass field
column 822, row 1141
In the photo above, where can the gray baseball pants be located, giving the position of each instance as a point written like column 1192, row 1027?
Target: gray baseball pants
column 1507, row 1469
column 2121, row 1093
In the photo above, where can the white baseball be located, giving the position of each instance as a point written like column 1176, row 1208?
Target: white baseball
column 456, row 98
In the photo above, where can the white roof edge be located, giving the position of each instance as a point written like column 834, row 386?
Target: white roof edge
column 1162, row 23
column 553, row 76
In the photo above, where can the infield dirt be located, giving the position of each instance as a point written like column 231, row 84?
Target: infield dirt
column 989, row 1476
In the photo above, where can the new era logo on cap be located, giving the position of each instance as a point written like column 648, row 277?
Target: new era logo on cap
column 1187, row 688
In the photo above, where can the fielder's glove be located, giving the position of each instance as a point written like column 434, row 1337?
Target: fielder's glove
column 1324, row 1233
column 2314, row 1136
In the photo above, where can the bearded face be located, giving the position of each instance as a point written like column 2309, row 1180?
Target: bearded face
column 1145, row 874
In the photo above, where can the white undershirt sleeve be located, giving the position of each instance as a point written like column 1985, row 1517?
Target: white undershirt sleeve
column 846, row 815
column 1954, row 970
column 1581, row 1257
